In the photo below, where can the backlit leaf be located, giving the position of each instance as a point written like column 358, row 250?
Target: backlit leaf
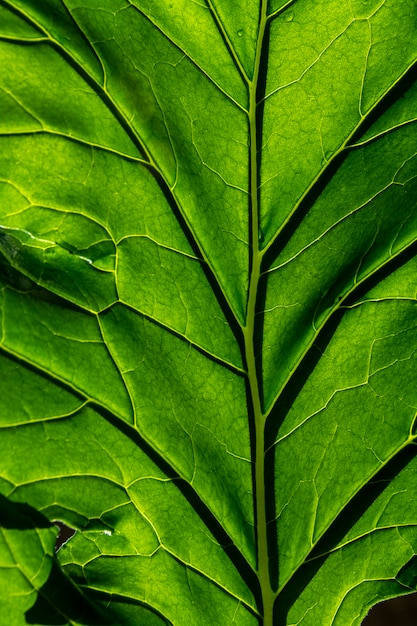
column 208, row 310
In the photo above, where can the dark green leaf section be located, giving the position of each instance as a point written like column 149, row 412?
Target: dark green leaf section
column 52, row 23
column 14, row 27
column 207, row 310
column 74, row 112
column 216, row 25
column 26, row 548
column 33, row 588
column 62, row 270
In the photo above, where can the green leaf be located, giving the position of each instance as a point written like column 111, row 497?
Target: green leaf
column 208, row 251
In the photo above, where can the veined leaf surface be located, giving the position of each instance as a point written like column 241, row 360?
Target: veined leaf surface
column 208, row 310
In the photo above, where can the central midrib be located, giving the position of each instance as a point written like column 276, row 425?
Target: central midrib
column 249, row 336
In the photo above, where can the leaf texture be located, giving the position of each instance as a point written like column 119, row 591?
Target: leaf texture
column 208, row 312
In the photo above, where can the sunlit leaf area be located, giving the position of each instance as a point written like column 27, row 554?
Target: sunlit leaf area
column 208, row 311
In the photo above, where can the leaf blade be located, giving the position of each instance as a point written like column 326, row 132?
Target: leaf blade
column 213, row 320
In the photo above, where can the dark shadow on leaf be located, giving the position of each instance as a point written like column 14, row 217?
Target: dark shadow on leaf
column 178, row 335
column 32, row 368
column 77, row 67
column 389, row 267
column 17, row 280
column 60, row 602
column 276, row 417
column 311, row 358
column 135, row 611
column 363, row 500
column 394, row 95
column 407, row 575
column 21, row 516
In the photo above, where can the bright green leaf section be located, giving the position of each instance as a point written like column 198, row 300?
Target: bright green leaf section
column 174, row 291
column 179, row 410
column 65, row 340
column 105, row 485
column 207, row 310
column 329, row 65
column 328, row 268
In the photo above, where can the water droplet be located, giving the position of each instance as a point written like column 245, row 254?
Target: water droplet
column 288, row 17
column 260, row 235
column 240, row 33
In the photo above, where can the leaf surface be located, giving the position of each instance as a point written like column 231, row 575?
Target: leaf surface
column 208, row 310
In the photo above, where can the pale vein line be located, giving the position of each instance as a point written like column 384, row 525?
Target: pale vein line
column 345, row 146
column 380, row 301
column 224, row 34
column 74, row 138
column 59, row 477
column 162, row 113
column 320, row 410
column 381, row 134
column 344, row 217
column 368, row 52
column 64, row 381
column 86, row 40
column 274, row 14
column 21, row 105
column 176, row 333
column 337, row 306
column 116, row 365
column 152, row 163
column 185, row 53
column 58, row 209
column 363, row 535
column 24, row 40
column 211, row 169
column 410, row 440
column 101, row 89
column 48, row 419
column 309, row 67
column 31, row 582
column 159, row 244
